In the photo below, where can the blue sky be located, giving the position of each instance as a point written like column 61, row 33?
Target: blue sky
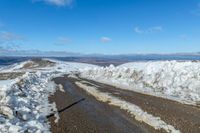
column 101, row 26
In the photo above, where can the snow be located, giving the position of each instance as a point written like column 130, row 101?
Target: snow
column 6, row 82
column 14, row 67
column 174, row 80
column 1, row 67
column 69, row 67
column 134, row 110
column 61, row 88
column 24, row 104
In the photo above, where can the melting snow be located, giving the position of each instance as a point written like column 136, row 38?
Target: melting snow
column 178, row 81
column 134, row 110
column 24, row 104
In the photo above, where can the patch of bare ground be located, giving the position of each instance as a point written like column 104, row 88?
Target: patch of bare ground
column 38, row 63
column 10, row 75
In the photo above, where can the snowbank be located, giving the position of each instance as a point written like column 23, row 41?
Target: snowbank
column 178, row 81
column 24, row 104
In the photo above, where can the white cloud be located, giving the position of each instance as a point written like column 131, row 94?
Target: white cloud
column 8, row 36
column 184, row 36
column 138, row 30
column 62, row 41
column 149, row 30
column 106, row 39
column 10, row 41
column 57, row 2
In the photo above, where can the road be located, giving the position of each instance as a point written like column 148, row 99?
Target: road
column 93, row 116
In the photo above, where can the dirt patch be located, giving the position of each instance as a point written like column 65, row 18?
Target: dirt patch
column 38, row 63
column 11, row 75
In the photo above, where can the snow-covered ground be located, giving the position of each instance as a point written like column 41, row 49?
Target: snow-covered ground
column 24, row 104
column 1, row 67
column 174, row 80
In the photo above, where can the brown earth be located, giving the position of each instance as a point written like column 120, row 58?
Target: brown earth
column 10, row 75
column 38, row 63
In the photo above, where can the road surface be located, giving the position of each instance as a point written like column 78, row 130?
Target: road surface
column 92, row 116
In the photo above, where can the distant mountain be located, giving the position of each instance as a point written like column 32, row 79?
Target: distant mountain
column 37, row 53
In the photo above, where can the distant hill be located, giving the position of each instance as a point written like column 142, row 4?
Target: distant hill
column 36, row 53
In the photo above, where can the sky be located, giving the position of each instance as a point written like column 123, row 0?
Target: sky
column 101, row 26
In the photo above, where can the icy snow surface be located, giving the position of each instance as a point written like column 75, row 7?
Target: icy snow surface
column 24, row 103
column 174, row 80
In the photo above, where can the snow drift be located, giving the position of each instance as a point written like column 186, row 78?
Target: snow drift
column 171, row 79
column 24, row 104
